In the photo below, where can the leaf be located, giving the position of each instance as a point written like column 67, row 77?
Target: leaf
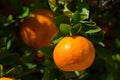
column 66, row 11
column 60, row 19
column 65, row 28
column 49, row 64
column 46, row 50
column 10, row 18
column 52, row 3
column 30, row 65
column 84, row 14
column 75, row 17
column 95, row 30
column 77, row 28
column 90, row 27
column 84, row 10
column 26, row 12
column 57, row 38
column 15, row 71
column 1, row 70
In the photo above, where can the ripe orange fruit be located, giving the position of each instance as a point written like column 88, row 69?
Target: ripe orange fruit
column 37, row 31
column 74, row 53
column 6, row 78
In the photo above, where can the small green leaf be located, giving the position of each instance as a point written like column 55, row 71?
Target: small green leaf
column 1, row 70
column 57, row 38
column 77, row 28
column 10, row 18
column 84, row 14
column 30, row 65
column 75, row 17
column 52, row 3
column 66, row 11
column 65, row 28
column 95, row 30
column 26, row 12
column 15, row 71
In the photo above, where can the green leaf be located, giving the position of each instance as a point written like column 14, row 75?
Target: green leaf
column 84, row 14
column 60, row 19
column 75, row 17
column 90, row 27
column 10, row 18
column 46, row 50
column 84, row 10
column 65, row 28
column 52, row 3
column 95, row 30
column 116, row 57
column 66, row 11
column 15, row 71
column 26, row 12
column 30, row 65
column 77, row 28
column 57, row 38
column 1, row 70
column 49, row 63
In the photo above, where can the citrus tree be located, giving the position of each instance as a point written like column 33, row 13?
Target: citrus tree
column 59, row 40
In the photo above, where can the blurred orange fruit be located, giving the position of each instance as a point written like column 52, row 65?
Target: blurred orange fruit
column 6, row 78
column 37, row 31
column 74, row 53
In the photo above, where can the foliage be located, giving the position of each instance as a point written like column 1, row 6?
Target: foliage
column 72, row 17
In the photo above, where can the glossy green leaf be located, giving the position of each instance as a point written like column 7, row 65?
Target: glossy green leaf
column 75, row 17
column 26, row 12
column 95, row 30
column 65, row 28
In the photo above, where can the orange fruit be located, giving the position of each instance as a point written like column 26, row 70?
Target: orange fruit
column 6, row 78
column 37, row 31
column 74, row 53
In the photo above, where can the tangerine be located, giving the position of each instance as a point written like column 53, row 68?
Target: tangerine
column 37, row 31
column 6, row 78
column 74, row 53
